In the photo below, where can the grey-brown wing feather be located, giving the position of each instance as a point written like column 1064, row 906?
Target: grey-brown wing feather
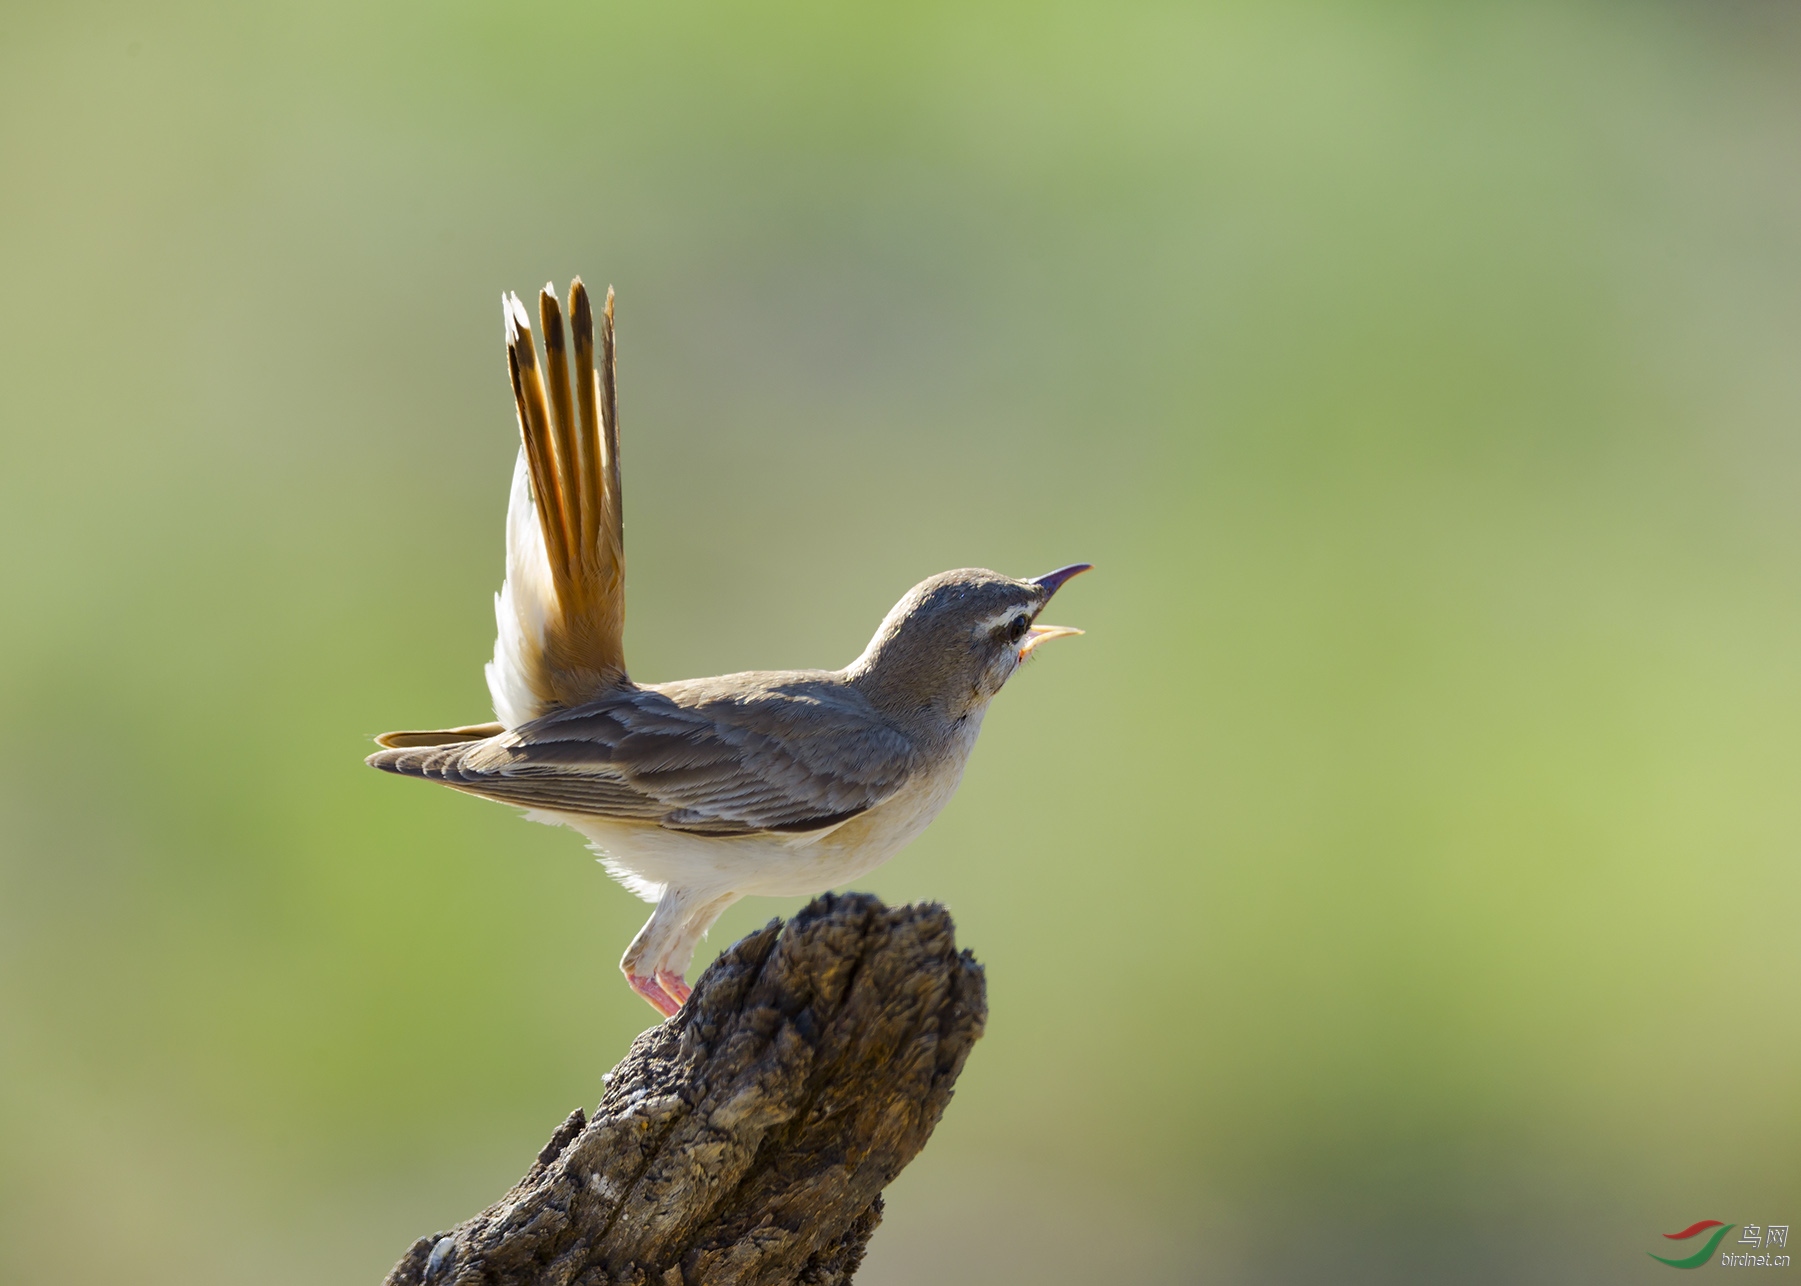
column 779, row 752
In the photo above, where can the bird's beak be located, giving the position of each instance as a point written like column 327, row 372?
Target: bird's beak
column 1043, row 633
column 1051, row 582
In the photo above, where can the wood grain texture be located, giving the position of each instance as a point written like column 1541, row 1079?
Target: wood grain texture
column 747, row 1140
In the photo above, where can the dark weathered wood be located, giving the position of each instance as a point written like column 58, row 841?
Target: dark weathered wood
column 748, row 1139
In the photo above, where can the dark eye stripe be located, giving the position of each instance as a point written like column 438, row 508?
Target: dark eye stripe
column 1017, row 630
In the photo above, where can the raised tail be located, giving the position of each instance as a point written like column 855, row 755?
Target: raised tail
column 561, row 612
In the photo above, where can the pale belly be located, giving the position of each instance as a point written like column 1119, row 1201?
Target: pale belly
column 648, row 859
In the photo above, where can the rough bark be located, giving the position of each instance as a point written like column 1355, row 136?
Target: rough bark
column 747, row 1140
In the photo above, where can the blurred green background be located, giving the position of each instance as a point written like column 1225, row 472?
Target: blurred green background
column 1398, row 883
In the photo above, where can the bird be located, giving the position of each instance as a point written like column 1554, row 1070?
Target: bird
column 700, row 792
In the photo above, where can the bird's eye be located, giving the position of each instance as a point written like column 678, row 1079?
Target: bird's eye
column 1017, row 630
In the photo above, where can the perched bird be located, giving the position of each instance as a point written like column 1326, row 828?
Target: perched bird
column 697, row 793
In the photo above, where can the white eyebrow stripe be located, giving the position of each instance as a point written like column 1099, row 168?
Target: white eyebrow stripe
column 1003, row 618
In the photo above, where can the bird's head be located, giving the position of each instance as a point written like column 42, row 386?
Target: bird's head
column 951, row 642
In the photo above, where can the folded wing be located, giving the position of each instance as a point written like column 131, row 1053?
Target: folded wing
column 778, row 753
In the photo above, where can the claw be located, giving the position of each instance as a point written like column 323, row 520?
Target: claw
column 659, row 999
column 675, row 986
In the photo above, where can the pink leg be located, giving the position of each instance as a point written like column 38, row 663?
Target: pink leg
column 659, row 999
column 676, row 985
column 661, row 952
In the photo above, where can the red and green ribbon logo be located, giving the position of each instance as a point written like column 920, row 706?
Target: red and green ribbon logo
column 1702, row 1255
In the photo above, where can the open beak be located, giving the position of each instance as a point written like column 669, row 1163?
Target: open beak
column 1050, row 583
column 1042, row 634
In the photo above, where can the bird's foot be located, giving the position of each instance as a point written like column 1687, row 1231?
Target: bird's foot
column 660, row 1000
column 675, row 986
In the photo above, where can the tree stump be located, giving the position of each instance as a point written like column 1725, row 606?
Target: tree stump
column 747, row 1140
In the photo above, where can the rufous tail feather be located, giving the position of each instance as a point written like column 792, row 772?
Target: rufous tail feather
column 561, row 613
column 442, row 737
